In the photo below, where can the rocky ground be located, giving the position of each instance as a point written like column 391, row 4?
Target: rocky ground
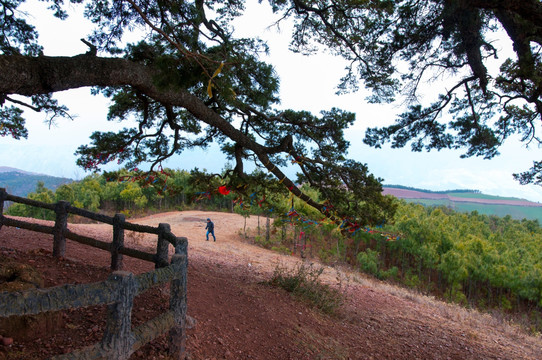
column 238, row 316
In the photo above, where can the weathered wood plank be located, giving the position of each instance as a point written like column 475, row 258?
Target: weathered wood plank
column 27, row 225
column 30, row 202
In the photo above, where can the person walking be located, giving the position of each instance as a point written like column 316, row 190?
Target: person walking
column 210, row 229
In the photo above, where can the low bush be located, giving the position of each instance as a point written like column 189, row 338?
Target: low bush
column 303, row 282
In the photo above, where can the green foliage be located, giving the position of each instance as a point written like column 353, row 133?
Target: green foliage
column 65, row 193
column 190, row 80
column 281, row 249
column 12, row 124
column 411, row 280
column 41, row 194
column 132, row 194
column 477, row 255
column 89, row 192
column 394, row 46
column 303, row 281
column 391, row 273
column 325, row 255
column 457, row 296
column 110, row 192
column 368, row 262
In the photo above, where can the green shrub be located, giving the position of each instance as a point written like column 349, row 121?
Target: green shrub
column 281, row 249
column 412, row 280
column 505, row 303
column 390, row 273
column 368, row 262
column 303, row 282
column 325, row 255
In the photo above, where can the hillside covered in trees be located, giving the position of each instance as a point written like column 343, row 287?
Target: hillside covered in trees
column 21, row 183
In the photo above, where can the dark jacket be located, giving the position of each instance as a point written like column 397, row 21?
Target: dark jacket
column 210, row 226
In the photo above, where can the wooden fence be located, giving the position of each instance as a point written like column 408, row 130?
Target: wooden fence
column 118, row 291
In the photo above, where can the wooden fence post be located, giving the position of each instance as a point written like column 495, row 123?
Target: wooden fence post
column 61, row 224
column 118, row 241
column 181, row 245
column 177, row 334
column 267, row 228
column 3, row 196
column 118, row 337
column 162, row 246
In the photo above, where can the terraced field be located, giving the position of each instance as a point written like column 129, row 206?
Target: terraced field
column 471, row 201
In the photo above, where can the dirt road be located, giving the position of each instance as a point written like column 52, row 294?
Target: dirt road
column 238, row 316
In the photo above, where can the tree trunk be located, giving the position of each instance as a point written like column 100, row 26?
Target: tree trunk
column 245, row 226
column 267, row 228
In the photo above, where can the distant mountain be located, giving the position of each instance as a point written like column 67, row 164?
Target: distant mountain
column 20, row 183
column 4, row 169
column 469, row 200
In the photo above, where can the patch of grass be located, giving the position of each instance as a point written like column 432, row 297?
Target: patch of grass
column 281, row 249
column 303, row 282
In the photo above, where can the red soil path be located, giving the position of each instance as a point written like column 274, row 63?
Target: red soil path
column 238, row 316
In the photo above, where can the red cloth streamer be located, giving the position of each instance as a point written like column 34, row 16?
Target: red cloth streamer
column 223, row 190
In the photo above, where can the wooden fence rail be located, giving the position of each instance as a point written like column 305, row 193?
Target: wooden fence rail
column 61, row 232
column 118, row 292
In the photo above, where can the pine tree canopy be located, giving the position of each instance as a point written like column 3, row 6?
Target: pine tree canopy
column 189, row 81
column 396, row 48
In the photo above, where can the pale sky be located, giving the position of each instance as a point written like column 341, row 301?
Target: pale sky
column 307, row 83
